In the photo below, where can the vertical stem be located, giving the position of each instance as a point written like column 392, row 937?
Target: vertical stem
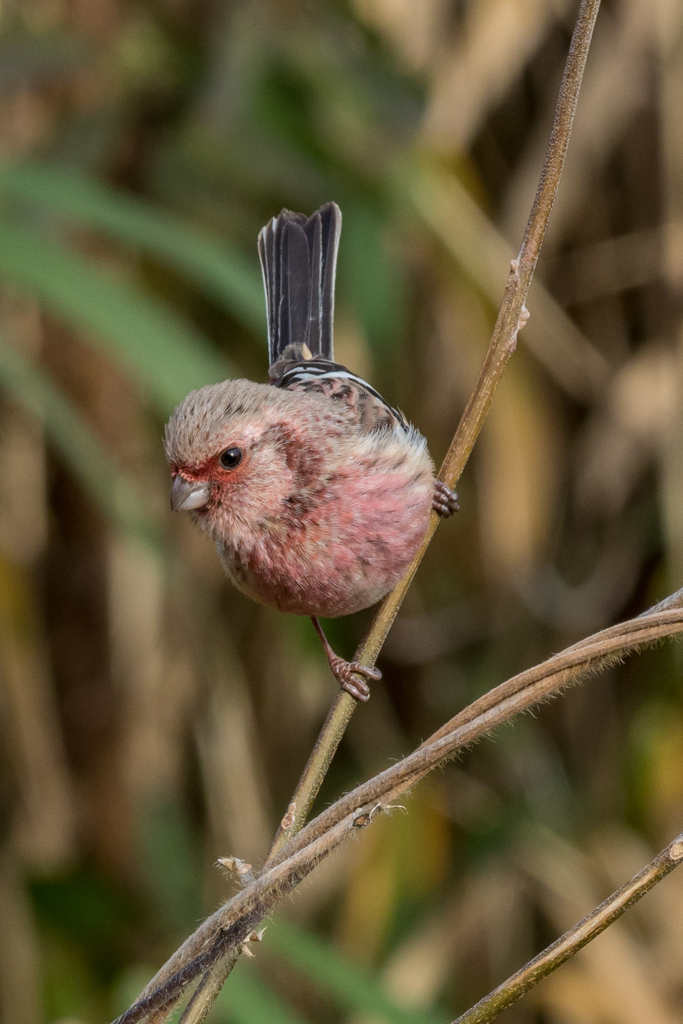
column 206, row 992
column 511, row 317
column 329, row 738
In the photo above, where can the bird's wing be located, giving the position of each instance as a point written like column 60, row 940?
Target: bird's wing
column 366, row 406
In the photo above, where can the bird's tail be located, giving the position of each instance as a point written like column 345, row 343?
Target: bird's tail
column 299, row 262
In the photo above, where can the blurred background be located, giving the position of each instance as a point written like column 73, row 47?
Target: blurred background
column 151, row 718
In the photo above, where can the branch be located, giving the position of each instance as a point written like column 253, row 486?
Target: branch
column 498, row 706
column 576, row 938
column 230, row 926
column 206, row 992
column 511, row 318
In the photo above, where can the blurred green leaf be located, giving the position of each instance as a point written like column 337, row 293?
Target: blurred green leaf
column 88, row 912
column 372, row 277
column 164, row 356
column 169, row 863
column 70, row 985
column 342, row 981
column 221, row 271
column 71, row 436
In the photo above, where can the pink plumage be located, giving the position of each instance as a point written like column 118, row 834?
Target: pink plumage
column 316, row 492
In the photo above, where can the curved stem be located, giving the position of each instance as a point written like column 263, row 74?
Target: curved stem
column 229, row 927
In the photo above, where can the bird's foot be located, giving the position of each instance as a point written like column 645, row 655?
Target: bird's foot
column 445, row 501
column 347, row 673
column 349, row 676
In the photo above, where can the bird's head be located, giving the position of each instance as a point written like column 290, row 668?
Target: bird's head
column 230, row 450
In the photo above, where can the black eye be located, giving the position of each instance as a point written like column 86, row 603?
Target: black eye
column 231, row 457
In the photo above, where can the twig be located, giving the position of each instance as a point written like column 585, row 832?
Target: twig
column 488, row 1008
column 498, row 706
column 214, row 938
column 511, row 318
column 227, row 929
column 206, row 992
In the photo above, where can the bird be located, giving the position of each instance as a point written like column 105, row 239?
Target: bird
column 316, row 491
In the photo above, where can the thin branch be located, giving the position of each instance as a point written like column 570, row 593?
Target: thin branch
column 225, row 931
column 208, row 989
column 511, row 318
column 498, row 706
column 488, row 1008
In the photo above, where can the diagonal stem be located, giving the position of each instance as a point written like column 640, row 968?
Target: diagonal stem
column 511, row 318
column 488, row 1008
column 222, row 935
column 206, row 992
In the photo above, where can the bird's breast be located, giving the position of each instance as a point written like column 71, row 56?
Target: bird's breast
column 339, row 550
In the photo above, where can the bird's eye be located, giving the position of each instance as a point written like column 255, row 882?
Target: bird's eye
column 231, row 457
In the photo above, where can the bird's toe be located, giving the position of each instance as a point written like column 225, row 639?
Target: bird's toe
column 445, row 501
column 349, row 675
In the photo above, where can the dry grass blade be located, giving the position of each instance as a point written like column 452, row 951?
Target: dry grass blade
column 576, row 938
column 226, row 930
column 481, row 250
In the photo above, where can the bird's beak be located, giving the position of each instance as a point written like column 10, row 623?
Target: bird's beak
column 188, row 494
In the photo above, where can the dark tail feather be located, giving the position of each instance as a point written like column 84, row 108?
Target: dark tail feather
column 299, row 263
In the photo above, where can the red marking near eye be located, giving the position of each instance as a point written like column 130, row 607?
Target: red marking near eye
column 210, row 469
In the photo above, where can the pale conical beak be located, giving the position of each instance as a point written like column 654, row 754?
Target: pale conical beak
column 189, row 494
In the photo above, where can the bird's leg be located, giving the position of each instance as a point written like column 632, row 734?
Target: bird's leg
column 445, row 501
column 347, row 672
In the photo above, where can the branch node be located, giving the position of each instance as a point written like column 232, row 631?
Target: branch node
column 251, row 937
column 363, row 818
column 235, row 866
column 676, row 850
column 289, row 817
column 524, row 315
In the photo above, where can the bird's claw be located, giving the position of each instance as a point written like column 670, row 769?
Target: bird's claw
column 445, row 501
column 348, row 674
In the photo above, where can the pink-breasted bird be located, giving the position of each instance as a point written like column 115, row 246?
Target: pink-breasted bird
column 315, row 490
